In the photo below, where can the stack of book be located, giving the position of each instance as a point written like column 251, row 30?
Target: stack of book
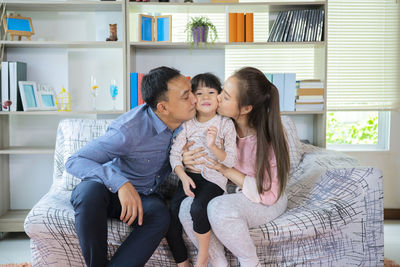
column 240, row 27
column 298, row 26
column 310, row 95
column 286, row 85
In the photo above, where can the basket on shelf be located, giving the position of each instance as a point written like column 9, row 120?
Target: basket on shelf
column 63, row 101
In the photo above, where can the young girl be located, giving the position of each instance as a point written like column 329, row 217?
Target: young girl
column 217, row 135
column 261, row 169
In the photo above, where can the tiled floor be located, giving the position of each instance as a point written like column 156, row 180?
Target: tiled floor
column 14, row 247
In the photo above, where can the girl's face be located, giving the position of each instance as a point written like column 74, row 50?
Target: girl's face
column 207, row 102
column 228, row 99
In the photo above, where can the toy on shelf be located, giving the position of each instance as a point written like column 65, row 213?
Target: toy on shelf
column 113, row 33
column 63, row 101
column 6, row 105
column 18, row 26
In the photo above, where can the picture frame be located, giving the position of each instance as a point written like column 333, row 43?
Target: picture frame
column 163, row 28
column 47, row 98
column 29, row 95
column 155, row 28
column 18, row 26
column 146, row 28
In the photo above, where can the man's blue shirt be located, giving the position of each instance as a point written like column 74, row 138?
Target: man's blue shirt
column 135, row 148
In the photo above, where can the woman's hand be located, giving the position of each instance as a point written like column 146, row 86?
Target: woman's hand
column 189, row 158
column 232, row 174
column 215, row 165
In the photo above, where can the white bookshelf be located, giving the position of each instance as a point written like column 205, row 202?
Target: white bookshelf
column 69, row 45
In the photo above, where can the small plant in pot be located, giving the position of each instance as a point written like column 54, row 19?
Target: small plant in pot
column 199, row 29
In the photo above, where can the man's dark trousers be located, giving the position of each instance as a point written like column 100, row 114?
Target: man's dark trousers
column 94, row 203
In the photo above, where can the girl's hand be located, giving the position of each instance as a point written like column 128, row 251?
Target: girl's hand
column 212, row 132
column 215, row 165
column 189, row 158
column 187, row 182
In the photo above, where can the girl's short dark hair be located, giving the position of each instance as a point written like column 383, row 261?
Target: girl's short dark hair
column 206, row 80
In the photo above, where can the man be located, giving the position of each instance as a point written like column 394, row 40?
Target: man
column 122, row 169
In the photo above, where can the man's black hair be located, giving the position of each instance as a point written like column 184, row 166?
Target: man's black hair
column 154, row 85
column 206, row 80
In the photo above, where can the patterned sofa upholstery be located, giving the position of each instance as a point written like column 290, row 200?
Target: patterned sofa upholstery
column 334, row 215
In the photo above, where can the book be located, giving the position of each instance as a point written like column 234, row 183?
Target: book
column 311, row 84
column 279, row 82
column 310, row 91
column 17, row 73
column 274, row 27
column 134, row 90
column 289, row 92
column 312, row 97
column 139, row 88
column 240, row 27
column 309, row 101
column 309, row 107
column 4, row 83
column 249, row 27
column 232, row 27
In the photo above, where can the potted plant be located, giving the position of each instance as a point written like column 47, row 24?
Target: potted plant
column 198, row 29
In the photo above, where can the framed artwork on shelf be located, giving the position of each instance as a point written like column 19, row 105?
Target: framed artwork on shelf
column 155, row 28
column 146, row 28
column 18, row 26
column 47, row 98
column 163, row 28
column 29, row 95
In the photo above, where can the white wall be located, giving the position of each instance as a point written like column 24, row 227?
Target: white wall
column 388, row 162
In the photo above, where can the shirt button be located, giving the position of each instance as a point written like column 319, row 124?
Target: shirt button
column 109, row 188
column 158, row 176
column 148, row 161
column 151, row 190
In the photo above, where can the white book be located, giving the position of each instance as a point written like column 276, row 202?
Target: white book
column 4, row 82
column 12, row 82
column 311, row 100
column 311, row 85
column 314, row 97
column 309, row 107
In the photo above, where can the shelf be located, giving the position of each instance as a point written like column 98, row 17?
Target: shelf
column 58, row 44
column 13, row 221
column 220, row 45
column 56, row 113
column 144, row 7
column 315, row 112
column 24, row 150
column 67, row 5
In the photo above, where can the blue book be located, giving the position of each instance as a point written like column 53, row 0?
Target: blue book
column 134, row 89
column 290, row 92
column 279, row 82
column 269, row 77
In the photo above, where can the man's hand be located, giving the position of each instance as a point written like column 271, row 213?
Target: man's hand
column 189, row 157
column 131, row 204
column 186, row 183
column 211, row 136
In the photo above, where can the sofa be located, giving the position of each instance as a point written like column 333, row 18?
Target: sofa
column 334, row 215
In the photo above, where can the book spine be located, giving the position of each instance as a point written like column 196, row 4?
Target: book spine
column 279, row 82
column 232, row 27
column 4, row 83
column 249, row 27
column 274, row 27
column 290, row 91
column 240, row 27
column 134, row 91
column 139, row 89
column 311, row 91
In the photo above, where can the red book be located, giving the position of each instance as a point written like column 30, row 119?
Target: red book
column 140, row 99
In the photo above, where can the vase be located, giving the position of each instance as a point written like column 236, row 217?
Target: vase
column 200, row 34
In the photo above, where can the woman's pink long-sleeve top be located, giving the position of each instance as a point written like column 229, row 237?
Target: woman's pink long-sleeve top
column 246, row 162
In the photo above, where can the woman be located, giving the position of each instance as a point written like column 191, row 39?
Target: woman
column 261, row 170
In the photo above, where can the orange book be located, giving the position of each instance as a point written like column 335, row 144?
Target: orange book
column 249, row 27
column 240, row 27
column 310, row 91
column 232, row 27
column 139, row 88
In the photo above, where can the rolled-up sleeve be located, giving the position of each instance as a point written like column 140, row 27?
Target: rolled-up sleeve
column 91, row 160
column 229, row 137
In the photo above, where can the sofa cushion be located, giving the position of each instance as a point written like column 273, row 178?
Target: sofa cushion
column 295, row 146
column 72, row 135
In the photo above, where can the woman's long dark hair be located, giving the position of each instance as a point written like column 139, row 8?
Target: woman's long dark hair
column 257, row 91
